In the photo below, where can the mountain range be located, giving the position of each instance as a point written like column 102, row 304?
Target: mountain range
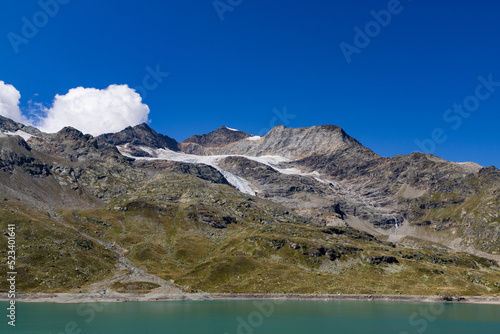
column 305, row 210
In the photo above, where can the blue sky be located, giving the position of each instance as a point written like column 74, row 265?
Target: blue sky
column 265, row 57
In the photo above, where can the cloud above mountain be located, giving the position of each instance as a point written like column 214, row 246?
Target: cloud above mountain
column 90, row 110
column 96, row 111
column 9, row 103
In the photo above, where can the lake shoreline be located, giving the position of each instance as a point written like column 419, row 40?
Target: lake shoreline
column 113, row 297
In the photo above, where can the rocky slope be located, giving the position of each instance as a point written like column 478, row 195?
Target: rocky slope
column 305, row 210
column 418, row 198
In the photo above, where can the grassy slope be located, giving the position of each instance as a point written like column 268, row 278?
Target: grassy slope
column 50, row 257
column 211, row 237
column 475, row 219
column 264, row 248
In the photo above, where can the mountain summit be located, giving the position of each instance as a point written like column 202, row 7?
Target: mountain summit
column 138, row 135
column 217, row 138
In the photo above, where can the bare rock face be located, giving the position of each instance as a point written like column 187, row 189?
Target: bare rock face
column 299, row 143
column 218, row 138
column 214, row 141
column 15, row 153
column 73, row 145
column 201, row 171
column 282, row 141
column 139, row 135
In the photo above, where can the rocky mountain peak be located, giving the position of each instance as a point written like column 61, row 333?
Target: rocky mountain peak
column 314, row 137
column 9, row 126
column 291, row 143
column 217, row 138
column 70, row 133
column 139, row 135
column 294, row 143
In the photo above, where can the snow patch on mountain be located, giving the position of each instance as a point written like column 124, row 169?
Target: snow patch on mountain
column 240, row 183
column 253, row 138
column 329, row 182
column 164, row 154
column 21, row 133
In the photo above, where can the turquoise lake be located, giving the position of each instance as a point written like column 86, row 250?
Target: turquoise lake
column 254, row 317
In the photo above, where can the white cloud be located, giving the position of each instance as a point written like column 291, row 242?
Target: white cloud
column 90, row 110
column 95, row 111
column 9, row 103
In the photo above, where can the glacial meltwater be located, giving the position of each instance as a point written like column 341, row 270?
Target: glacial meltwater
column 249, row 317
